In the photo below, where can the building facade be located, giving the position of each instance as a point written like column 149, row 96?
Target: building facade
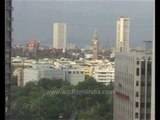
column 104, row 75
column 59, row 35
column 39, row 71
column 33, row 46
column 95, row 46
column 132, row 98
column 88, row 69
column 122, row 38
column 19, row 73
column 8, row 41
column 74, row 75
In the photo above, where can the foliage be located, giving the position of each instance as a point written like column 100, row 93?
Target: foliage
column 32, row 102
column 112, row 59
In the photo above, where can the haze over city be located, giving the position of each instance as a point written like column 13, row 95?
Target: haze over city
column 34, row 20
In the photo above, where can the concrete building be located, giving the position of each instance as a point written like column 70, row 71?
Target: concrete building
column 132, row 98
column 123, row 30
column 104, row 75
column 8, row 41
column 19, row 72
column 95, row 46
column 59, row 35
column 74, row 75
column 39, row 71
column 88, row 69
column 33, row 46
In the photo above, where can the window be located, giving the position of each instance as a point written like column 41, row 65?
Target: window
column 137, row 105
column 143, row 67
column 142, row 115
column 149, row 67
column 137, row 62
column 148, row 115
column 142, row 105
column 137, row 83
column 136, row 115
column 81, row 72
column 137, row 71
column 148, row 105
column 137, row 94
column 69, row 72
column 148, row 83
column 142, row 83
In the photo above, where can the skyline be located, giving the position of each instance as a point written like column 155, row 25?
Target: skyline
column 81, row 19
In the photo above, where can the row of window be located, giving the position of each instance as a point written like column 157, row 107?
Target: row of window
column 148, row 115
column 105, row 76
column 106, row 79
column 143, row 83
column 143, row 69
column 74, row 72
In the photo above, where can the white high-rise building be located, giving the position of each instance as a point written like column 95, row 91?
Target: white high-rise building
column 59, row 35
column 123, row 29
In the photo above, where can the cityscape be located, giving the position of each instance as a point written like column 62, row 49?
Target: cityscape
column 64, row 81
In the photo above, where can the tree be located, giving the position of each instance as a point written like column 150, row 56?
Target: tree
column 32, row 102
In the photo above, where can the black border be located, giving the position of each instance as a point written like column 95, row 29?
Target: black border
column 157, row 59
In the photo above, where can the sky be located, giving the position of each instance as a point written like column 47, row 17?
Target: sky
column 33, row 19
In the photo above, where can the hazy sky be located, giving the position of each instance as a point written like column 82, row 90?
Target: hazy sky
column 34, row 20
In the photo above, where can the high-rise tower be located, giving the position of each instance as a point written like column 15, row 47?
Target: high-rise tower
column 95, row 46
column 59, row 35
column 123, row 29
column 132, row 86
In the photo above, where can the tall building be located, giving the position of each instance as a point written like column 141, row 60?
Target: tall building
column 132, row 98
column 123, row 30
column 95, row 46
column 59, row 35
column 153, row 75
column 8, row 40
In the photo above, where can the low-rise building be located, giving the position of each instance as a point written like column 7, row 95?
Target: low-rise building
column 19, row 73
column 74, row 75
column 39, row 71
column 104, row 75
column 88, row 69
